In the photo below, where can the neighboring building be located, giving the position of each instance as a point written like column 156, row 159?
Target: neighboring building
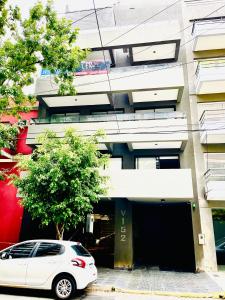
column 11, row 212
column 162, row 107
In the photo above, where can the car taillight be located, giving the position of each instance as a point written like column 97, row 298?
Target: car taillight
column 77, row 262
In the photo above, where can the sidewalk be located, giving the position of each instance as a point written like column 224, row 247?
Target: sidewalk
column 154, row 281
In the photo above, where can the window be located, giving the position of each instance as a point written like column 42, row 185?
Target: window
column 109, row 112
column 22, row 251
column 49, row 249
column 67, row 117
column 80, row 250
column 158, row 110
column 115, row 163
column 162, row 162
column 146, row 163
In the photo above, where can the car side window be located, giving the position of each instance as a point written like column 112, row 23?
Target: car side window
column 22, row 251
column 49, row 249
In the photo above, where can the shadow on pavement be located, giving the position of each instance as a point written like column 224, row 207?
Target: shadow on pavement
column 34, row 293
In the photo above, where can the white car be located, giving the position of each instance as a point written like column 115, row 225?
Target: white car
column 60, row 266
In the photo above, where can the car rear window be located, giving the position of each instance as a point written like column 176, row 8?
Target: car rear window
column 80, row 250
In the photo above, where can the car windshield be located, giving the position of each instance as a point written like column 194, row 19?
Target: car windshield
column 80, row 250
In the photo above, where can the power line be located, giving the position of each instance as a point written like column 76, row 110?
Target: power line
column 100, row 81
column 182, row 30
column 100, row 36
column 99, row 9
column 143, row 22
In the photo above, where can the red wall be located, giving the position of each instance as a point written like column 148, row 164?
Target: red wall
column 11, row 212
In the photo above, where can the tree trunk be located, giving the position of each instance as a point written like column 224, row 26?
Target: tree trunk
column 59, row 231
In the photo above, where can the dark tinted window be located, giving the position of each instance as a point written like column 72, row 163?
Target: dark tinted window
column 22, row 250
column 80, row 250
column 49, row 249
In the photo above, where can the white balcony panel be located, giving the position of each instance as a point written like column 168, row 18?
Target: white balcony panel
column 215, row 190
column 114, row 36
column 155, row 95
column 139, row 78
column 209, row 35
column 77, row 100
column 151, row 185
column 212, row 125
column 210, row 77
column 156, row 145
column 154, row 52
column 174, row 130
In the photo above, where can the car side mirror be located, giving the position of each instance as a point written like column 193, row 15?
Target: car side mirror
column 5, row 255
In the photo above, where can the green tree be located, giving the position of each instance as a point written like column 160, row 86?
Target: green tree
column 62, row 179
column 41, row 41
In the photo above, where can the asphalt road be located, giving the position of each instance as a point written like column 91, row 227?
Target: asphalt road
column 19, row 294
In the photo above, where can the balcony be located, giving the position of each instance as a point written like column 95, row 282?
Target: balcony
column 209, row 34
column 151, row 185
column 212, row 126
column 148, row 43
column 139, row 130
column 142, row 83
column 210, row 77
column 215, row 184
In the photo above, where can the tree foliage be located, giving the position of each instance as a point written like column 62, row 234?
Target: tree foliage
column 62, row 179
column 40, row 41
column 218, row 215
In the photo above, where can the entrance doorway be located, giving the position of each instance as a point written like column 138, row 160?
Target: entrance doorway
column 163, row 236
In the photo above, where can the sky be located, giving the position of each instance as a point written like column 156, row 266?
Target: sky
column 60, row 5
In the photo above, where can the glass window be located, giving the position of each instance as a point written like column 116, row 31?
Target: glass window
column 49, row 249
column 146, row 163
column 109, row 112
column 115, row 163
column 22, row 251
column 80, row 250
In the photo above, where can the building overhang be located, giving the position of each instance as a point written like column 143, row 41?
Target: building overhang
column 147, row 44
column 141, row 83
column 209, row 34
column 146, row 185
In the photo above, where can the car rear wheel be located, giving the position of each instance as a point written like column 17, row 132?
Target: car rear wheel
column 64, row 287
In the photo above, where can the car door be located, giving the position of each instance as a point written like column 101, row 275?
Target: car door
column 13, row 269
column 46, row 260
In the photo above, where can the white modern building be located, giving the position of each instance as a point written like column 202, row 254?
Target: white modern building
column 162, row 106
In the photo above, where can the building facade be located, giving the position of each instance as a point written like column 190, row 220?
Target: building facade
column 11, row 212
column 161, row 104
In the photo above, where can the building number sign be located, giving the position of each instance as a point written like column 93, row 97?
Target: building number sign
column 123, row 229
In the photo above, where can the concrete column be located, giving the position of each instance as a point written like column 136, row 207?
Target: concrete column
column 123, row 258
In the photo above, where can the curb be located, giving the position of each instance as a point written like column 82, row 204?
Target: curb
column 109, row 289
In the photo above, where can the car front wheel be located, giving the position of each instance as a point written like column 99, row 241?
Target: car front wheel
column 64, row 287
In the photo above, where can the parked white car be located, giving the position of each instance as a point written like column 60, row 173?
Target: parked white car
column 60, row 266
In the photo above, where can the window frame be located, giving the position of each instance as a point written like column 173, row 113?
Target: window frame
column 62, row 250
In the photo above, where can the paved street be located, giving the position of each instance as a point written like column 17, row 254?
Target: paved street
column 9, row 294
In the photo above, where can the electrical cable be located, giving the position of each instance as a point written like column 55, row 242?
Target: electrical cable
column 100, row 81
column 107, row 71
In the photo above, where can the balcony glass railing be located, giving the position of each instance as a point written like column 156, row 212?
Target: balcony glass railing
column 111, row 117
column 212, row 116
column 210, row 67
column 215, row 174
column 213, row 26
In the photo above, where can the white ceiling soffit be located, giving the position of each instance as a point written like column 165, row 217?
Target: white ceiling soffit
column 154, row 52
column 77, row 100
column 156, row 145
column 155, row 95
column 114, row 36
